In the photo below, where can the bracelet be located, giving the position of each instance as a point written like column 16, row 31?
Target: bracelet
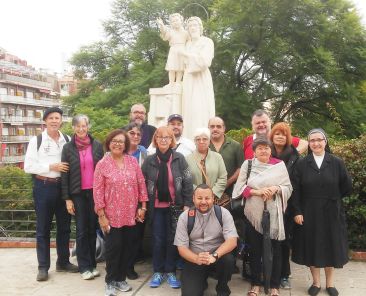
column 144, row 209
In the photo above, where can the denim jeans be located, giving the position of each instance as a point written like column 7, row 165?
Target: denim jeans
column 47, row 203
column 165, row 254
column 86, row 225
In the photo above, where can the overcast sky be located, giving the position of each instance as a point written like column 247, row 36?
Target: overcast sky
column 47, row 32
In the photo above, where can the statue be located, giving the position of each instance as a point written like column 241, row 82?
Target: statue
column 198, row 101
column 177, row 37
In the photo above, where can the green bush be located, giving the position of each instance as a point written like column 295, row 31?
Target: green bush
column 353, row 153
column 239, row 135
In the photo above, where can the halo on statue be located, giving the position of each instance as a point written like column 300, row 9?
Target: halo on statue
column 199, row 5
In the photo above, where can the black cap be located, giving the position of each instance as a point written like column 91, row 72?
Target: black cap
column 175, row 117
column 51, row 110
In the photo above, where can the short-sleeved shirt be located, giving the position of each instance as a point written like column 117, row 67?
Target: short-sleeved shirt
column 207, row 234
column 233, row 157
column 248, row 142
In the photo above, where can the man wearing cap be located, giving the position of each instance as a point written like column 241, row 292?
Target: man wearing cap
column 184, row 145
column 43, row 160
column 261, row 125
column 138, row 116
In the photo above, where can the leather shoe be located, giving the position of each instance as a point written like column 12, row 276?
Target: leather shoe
column 42, row 275
column 132, row 274
column 332, row 291
column 313, row 290
column 69, row 267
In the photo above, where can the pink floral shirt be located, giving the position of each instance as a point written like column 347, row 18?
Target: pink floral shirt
column 118, row 191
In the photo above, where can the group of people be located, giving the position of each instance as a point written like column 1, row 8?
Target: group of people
column 157, row 175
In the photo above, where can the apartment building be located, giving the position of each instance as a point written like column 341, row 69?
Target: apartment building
column 24, row 95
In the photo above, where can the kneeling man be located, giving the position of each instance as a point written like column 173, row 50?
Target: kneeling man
column 205, row 237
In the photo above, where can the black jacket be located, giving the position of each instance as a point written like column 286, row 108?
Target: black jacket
column 181, row 175
column 71, row 181
column 331, row 181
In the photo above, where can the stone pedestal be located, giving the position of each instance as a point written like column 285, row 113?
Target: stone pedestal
column 164, row 101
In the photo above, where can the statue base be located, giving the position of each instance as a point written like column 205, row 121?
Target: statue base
column 164, row 101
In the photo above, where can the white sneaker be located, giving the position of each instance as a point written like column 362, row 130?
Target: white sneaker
column 95, row 272
column 123, row 286
column 87, row 275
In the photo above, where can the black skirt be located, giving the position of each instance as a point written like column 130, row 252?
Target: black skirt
column 322, row 239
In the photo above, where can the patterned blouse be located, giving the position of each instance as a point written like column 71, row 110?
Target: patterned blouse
column 118, row 190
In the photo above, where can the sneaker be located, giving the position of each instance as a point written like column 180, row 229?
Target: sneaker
column 95, row 272
column 68, row 267
column 87, row 275
column 110, row 290
column 42, row 275
column 173, row 281
column 123, row 286
column 285, row 283
column 156, row 280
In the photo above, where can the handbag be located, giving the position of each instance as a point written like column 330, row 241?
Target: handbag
column 224, row 200
column 239, row 203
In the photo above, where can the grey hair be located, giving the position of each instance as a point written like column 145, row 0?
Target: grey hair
column 259, row 112
column 202, row 131
column 78, row 118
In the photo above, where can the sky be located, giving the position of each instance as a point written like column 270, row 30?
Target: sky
column 47, row 32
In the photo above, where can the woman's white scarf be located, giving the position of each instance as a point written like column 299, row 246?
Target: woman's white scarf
column 269, row 175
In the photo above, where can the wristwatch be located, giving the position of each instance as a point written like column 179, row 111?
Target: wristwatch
column 215, row 255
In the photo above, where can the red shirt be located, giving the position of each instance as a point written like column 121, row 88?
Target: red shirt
column 248, row 142
column 118, row 191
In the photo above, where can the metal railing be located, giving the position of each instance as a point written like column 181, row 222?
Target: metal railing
column 12, row 159
column 15, row 138
column 20, row 119
column 17, row 214
column 28, row 101
column 26, row 81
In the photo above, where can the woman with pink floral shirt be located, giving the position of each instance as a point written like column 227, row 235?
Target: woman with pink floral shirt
column 119, row 187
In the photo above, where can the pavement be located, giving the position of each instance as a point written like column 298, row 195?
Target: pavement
column 18, row 268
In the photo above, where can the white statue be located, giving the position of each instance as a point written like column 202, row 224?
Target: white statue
column 177, row 37
column 198, row 101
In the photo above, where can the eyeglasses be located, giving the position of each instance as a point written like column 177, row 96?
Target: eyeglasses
column 117, row 142
column 201, row 139
column 139, row 112
column 133, row 134
column 313, row 141
column 163, row 138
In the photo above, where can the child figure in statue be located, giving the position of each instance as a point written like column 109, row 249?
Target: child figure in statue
column 177, row 37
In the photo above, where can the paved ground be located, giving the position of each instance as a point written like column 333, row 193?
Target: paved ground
column 18, row 271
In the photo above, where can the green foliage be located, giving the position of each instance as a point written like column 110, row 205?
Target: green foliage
column 16, row 194
column 353, row 153
column 239, row 135
column 102, row 121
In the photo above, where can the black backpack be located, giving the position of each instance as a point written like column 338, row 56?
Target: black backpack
column 192, row 217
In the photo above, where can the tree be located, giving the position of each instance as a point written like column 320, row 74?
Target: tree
column 305, row 60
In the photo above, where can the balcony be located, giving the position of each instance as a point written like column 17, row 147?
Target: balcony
column 43, row 102
column 25, row 81
column 12, row 159
column 12, row 119
column 15, row 139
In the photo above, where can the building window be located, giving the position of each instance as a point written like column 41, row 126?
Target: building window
column 3, row 91
column 29, row 94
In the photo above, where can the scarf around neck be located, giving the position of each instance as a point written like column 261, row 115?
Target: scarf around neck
column 163, row 176
column 82, row 144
